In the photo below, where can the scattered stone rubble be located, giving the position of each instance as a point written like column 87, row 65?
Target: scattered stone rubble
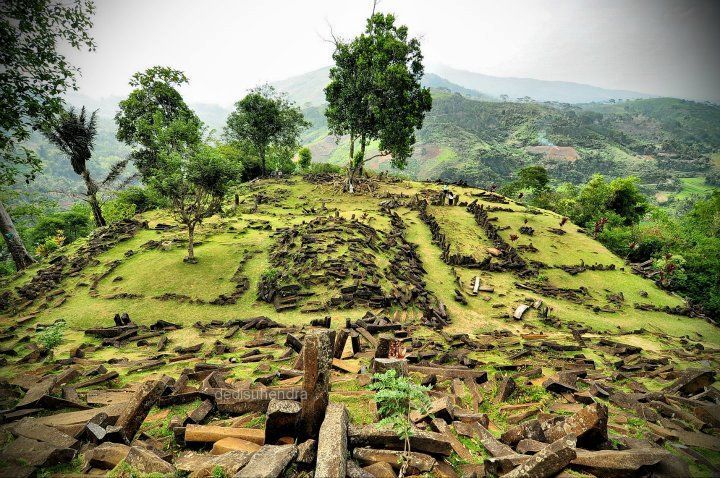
column 69, row 407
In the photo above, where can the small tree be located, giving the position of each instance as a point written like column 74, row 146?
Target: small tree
column 396, row 398
column 375, row 92
column 265, row 118
column 304, row 158
column 195, row 180
column 533, row 177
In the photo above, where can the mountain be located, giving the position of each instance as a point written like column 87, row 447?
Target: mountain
column 506, row 313
column 538, row 90
column 307, row 89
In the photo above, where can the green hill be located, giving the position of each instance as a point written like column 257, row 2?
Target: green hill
column 488, row 282
column 484, row 142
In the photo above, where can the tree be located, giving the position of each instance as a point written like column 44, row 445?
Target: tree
column 305, row 158
column 74, row 134
column 265, row 119
column 195, row 180
column 152, row 110
column 34, row 75
column 375, row 93
column 533, row 177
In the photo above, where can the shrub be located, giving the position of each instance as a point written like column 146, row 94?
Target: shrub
column 144, row 199
column 396, row 398
column 324, row 168
column 304, row 158
column 116, row 210
column 52, row 336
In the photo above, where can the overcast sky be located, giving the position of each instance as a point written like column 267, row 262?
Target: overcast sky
column 661, row 47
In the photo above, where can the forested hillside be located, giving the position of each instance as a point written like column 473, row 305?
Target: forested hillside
column 484, row 142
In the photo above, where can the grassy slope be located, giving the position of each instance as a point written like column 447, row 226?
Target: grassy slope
column 224, row 241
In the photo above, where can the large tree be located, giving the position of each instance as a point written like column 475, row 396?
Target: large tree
column 153, row 109
column 265, row 119
column 375, row 93
column 74, row 134
column 33, row 77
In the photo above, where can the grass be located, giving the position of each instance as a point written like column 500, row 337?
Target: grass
column 692, row 187
column 225, row 240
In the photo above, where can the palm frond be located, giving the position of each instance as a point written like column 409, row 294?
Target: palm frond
column 115, row 171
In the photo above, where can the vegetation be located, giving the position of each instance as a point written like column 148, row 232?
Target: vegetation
column 397, row 397
column 52, row 336
column 685, row 249
column 375, row 94
column 74, row 134
column 304, row 158
column 34, row 76
column 267, row 121
column 154, row 117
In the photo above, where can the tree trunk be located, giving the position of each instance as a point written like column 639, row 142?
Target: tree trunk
column 16, row 247
column 92, row 191
column 262, row 163
column 191, row 247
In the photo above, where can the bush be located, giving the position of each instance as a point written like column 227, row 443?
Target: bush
column 52, row 336
column 396, row 397
column 116, row 210
column 324, row 168
column 144, row 199
column 74, row 223
column 304, row 158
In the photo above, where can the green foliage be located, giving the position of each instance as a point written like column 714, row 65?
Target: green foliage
column 154, row 117
column 74, row 223
column 265, row 118
column 74, row 134
column 218, row 472
column 35, row 74
column 304, row 158
column 116, row 210
column 195, row 180
column 322, row 168
column 396, row 398
column 52, row 336
column 533, row 177
column 144, row 199
column 374, row 91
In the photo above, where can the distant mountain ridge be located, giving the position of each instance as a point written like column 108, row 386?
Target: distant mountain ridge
column 307, row 89
column 538, row 90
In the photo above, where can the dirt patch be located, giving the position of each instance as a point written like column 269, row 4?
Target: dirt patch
column 563, row 153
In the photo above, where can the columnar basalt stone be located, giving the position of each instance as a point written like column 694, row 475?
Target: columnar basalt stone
column 382, row 365
column 332, row 443
column 282, row 419
column 548, row 461
column 268, row 462
column 139, row 406
column 317, row 360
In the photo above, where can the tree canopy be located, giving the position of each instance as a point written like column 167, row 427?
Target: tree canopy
column 155, row 116
column 34, row 74
column 374, row 93
column 263, row 119
column 74, row 134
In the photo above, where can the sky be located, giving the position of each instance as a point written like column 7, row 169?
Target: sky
column 660, row 47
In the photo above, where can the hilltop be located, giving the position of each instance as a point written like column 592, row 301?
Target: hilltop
column 480, row 283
